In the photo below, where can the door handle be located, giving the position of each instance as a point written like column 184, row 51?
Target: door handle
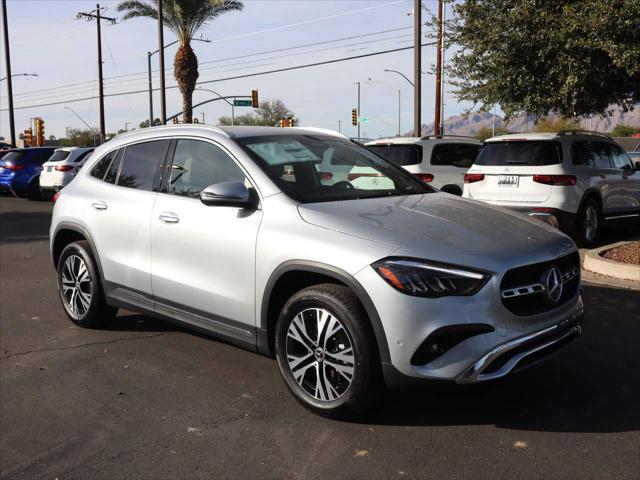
column 100, row 205
column 603, row 175
column 169, row 217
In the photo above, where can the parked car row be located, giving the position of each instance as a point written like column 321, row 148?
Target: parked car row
column 573, row 180
column 39, row 172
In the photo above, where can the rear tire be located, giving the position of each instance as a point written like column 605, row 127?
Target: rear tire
column 335, row 373
column 80, row 289
column 588, row 224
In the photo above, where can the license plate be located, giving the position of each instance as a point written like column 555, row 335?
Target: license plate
column 508, row 180
column 49, row 169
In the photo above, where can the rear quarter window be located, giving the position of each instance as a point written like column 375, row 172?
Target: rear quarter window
column 400, row 155
column 520, row 152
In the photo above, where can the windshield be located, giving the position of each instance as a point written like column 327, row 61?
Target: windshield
column 518, row 152
column 397, row 154
column 59, row 155
column 323, row 169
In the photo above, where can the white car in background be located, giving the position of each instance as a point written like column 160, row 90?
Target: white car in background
column 439, row 160
column 574, row 180
column 61, row 166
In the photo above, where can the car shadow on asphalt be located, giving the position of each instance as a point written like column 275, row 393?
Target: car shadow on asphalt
column 20, row 227
column 589, row 386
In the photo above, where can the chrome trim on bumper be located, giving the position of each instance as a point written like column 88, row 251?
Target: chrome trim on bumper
column 474, row 374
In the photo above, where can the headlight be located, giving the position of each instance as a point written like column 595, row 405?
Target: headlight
column 429, row 279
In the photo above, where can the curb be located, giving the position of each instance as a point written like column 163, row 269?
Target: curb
column 597, row 264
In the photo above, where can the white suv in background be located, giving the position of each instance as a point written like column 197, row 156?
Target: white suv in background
column 59, row 169
column 440, row 161
column 573, row 180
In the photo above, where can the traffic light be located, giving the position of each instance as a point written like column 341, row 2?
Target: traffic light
column 288, row 122
column 354, row 116
column 39, row 132
column 175, row 120
column 254, row 98
column 28, row 137
column 195, row 120
column 283, row 122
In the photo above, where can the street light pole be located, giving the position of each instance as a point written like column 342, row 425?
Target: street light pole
column 82, row 120
column 399, row 102
column 149, row 55
column 223, row 98
column 7, row 58
column 417, row 67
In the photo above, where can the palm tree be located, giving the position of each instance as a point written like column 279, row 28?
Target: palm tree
column 184, row 18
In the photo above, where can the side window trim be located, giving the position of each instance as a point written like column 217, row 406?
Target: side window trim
column 169, row 161
column 95, row 164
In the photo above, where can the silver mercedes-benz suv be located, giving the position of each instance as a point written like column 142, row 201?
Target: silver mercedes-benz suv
column 233, row 231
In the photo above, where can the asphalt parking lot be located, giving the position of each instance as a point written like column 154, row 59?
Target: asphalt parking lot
column 145, row 399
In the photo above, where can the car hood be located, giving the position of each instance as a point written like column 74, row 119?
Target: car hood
column 444, row 227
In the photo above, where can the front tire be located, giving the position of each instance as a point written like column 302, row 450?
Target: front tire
column 588, row 224
column 327, row 353
column 79, row 287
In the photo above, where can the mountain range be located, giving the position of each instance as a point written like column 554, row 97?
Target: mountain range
column 472, row 122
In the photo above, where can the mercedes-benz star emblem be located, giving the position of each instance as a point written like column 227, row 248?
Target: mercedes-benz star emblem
column 553, row 284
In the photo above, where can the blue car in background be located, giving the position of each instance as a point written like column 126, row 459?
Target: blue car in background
column 20, row 170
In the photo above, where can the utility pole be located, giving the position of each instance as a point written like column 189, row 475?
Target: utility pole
column 163, row 98
column 417, row 67
column 150, row 90
column 443, row 50
column 7, row 58
column 95, row 15
column 340, row 126
column 437, row 119
column 359, row 112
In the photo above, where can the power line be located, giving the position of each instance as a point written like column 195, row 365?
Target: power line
column 243, row 65
column 248, row 75
column 206, row 62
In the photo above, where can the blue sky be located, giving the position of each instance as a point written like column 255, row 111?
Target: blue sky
column 47, row 39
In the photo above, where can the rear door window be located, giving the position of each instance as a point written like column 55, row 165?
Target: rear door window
column 140, row 164
column 114, row 168
column 461, row 155
column 400, row 155
column 520, row 152
column 102, row 165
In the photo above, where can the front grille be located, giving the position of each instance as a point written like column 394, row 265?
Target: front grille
column 524, row 289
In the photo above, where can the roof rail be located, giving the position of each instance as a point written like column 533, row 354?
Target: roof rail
column 427, row 137
column 175, row 125
column 587, row 132
column 326, row 131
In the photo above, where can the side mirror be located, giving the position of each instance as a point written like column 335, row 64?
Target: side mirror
column 227, row 194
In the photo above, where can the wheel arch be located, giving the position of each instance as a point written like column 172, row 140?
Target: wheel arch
column 452, row 188
column 68, row 232
column 307, row 273
column 589, row 194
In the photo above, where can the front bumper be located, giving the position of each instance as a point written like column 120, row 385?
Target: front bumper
column 524, row 351
column 410, row 322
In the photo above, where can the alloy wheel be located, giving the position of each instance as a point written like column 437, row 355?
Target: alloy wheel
column 320, row 354
column 76, row 285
